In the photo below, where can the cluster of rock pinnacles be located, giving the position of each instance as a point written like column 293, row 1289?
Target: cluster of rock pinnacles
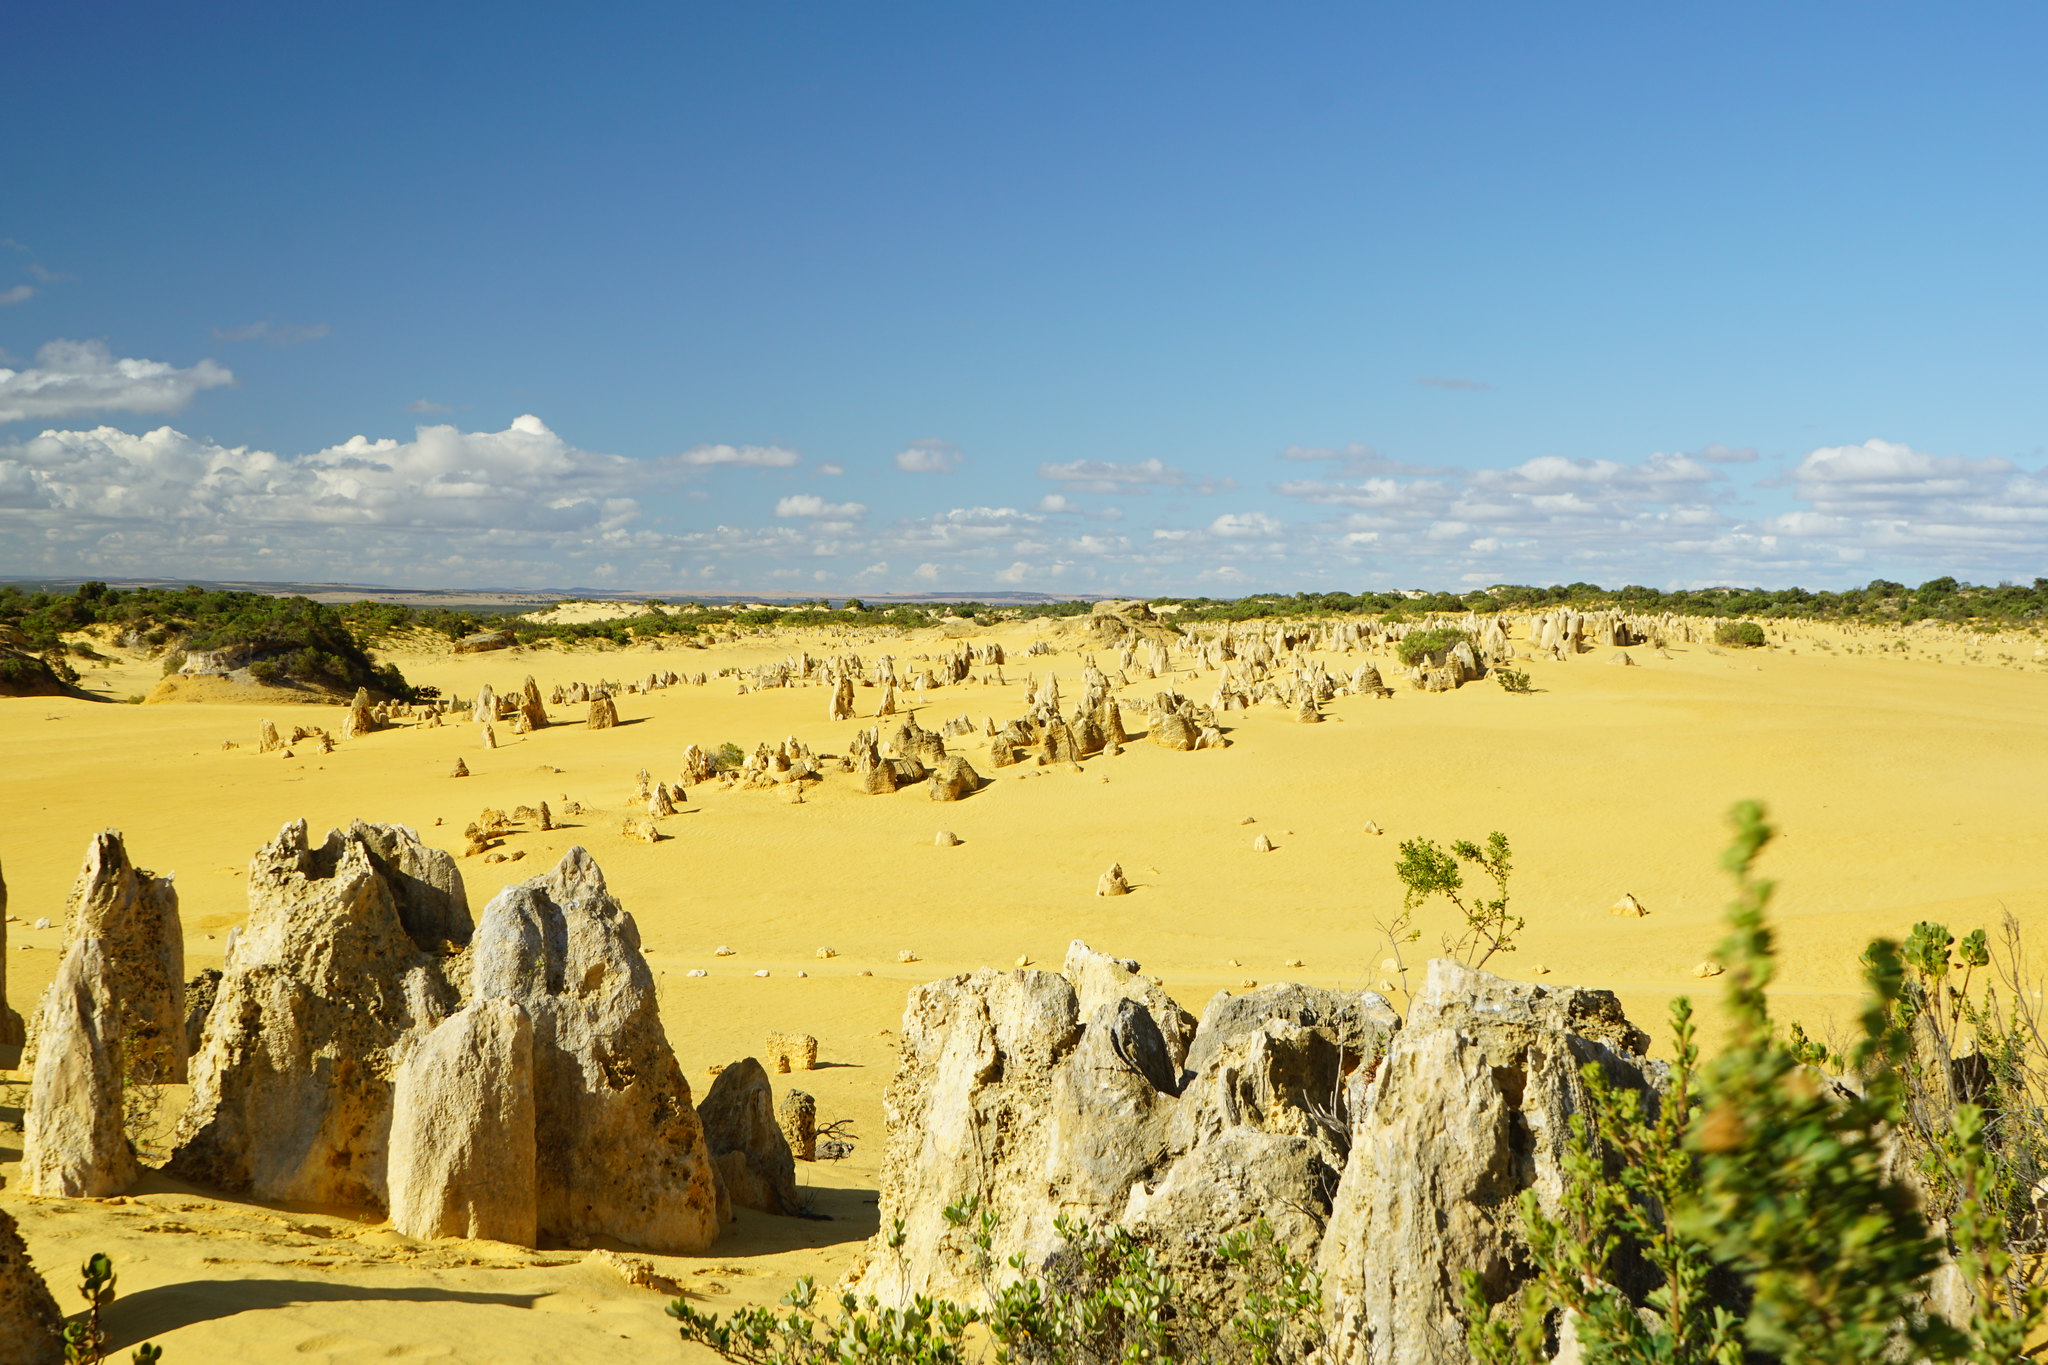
column 367, row 1046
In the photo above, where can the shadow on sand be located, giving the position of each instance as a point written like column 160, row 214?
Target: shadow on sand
column 135, row 1318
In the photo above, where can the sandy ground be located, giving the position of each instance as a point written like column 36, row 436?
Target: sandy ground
column 1909, row 783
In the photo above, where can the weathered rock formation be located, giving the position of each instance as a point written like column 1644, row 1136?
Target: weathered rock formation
column 620, row 1150
column 463, row 1129
column 31, row 1328
column 134, row 914
column 1471, row 1107
column 797, row 1114
column 1394, row 1155
column 746, row 1141
column 603, row 714
column 1044, row 1094
column 954, row 779
column 73, row 1141
column 291, row 1087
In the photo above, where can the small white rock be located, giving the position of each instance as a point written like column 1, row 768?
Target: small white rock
column 44, row 923
column 696, row 971
column 721, row 951
column 762, row 972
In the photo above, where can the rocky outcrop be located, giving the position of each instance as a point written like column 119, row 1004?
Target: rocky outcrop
column 1044, row 1095
column 531, row 708
column 463, row 1130
column 484, row 641
column 134, row 914
column 31, row 1328
column 1471, row 1107
column 1393, row 1155
column 291, row 1086
column 74, row 1144
column 746, row 1141
column 620, row 1150
column 954, row 779
column 603, row 714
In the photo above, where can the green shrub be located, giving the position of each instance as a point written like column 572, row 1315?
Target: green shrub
column 1427, row 870
column 728, row 757
column 1418, row 645
column 1511, row 679
column 173, row 661
column 1104, row 1298
column 1739, row 635
column 1759, row 1198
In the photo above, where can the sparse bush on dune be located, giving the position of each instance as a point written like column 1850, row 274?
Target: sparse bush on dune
column 1740, row 635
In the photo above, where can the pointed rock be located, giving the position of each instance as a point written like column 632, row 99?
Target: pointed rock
column 463, row 1157
column 746, row 1142
column 606, row 1083
column 134, row 914
column 1112, row 883
column 74, row 1144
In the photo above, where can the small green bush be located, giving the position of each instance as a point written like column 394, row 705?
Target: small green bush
column 728, row 757
column 173, row 661
column 1511, row 679
column 1427, row 870
column 1104, row 1299
column 1417, row 646
column 1739, row 635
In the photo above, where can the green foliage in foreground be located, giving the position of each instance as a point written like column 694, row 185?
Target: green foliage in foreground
column 1512, row 679
column 1104, row 1299
column 85, row 1340
column 1759, row 1199
column 1740, row 635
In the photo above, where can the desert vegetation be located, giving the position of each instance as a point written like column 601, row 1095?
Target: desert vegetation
column 279, row 640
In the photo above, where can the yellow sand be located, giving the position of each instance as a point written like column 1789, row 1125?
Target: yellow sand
column 1909, row 787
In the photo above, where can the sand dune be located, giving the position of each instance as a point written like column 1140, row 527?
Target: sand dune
column 1908, row 784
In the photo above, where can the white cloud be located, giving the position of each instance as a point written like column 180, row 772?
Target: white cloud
column 522, row 479
column 831, row 471
column 744, row 457
column 929, row 457
column 1244, row 526
column 811, row 505
column 20, row 293
column 426, row 406
column 1019, row 572
column 1057, row 502
column 276, row 333
column 1105, row 476
column 926, row 573
column 74, row 377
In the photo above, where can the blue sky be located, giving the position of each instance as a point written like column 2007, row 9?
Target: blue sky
column 1193, row 298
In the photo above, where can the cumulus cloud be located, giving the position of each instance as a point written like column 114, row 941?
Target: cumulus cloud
column 524, row 478
column 1106, row 476
column 831, row 471
column 743, row 457
column 926, row 573
column 20, row 293
column 929, row 457
column 811, row 505
column 1245, row 526
column 73, row 377
column 276, row 333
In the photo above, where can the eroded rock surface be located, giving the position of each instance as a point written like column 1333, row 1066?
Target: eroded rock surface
column 74, row 1144
column 620, row 1150
column 463, row 1130
column 30, row 1326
